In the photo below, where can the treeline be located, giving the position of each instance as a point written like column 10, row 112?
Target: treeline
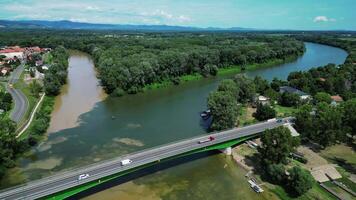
column 139, row 62
column 56, row 76
column 129, row 61
column 327, row 124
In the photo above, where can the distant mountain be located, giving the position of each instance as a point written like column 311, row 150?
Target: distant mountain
column 65, row 24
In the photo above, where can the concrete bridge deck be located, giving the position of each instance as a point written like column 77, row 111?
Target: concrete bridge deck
column 50, row 186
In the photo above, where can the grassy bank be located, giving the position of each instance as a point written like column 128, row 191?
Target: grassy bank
column 41, row 120
column 32, row 100
column 234, row 69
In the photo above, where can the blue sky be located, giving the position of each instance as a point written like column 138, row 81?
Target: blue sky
column 265, row 14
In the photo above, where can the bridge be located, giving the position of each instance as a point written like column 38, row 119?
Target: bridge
column 66, row 184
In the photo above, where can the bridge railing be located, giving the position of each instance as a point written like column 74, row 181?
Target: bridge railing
column 72, row 171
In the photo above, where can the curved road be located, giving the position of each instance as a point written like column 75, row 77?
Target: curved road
column 21, row 101
column 62, row 181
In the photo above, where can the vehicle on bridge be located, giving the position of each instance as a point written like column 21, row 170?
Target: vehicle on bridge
column 209, row 139
column 83, row 176
column 125, row 162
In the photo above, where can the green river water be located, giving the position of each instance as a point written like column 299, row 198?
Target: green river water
column 83, row 130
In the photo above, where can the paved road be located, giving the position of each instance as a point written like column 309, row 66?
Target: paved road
column 65, row 180
column 21, row 101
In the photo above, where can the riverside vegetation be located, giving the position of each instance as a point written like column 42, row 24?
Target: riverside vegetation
column 10, row 146
column 317, row 119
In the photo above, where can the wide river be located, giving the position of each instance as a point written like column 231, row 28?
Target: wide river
column 88, row 127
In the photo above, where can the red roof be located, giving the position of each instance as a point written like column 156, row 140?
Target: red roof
column 336, row 98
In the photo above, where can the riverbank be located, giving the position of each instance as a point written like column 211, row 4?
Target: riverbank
column 226, row 71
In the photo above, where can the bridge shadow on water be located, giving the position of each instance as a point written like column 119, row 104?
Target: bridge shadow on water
column 143, row 172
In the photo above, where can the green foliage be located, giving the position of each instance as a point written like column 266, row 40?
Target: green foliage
column 261, row 85
column 275, row 173
column 272, row 94
column 349, row 115
column 224, row 110
column 229, row 86
column 322, row 125
column 56, row 76
column 41, row 121
column 35, row 88
column 118, row 92
column 276, row 145
column 247, row 90
column 322, row 97
column 5, row 101
column 289, row 99
column 9, row 146
column 300, row 180
column 264, row 112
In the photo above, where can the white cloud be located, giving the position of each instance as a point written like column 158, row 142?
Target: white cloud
column 163, row 17
column 323, row 19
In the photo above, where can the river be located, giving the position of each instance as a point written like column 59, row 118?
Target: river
column 100, row 128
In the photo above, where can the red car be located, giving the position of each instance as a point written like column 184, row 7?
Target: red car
column 211, row 138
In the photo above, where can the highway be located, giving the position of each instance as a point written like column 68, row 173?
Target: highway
column 69, row 179
column 21, row 101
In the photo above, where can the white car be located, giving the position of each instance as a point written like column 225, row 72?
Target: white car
column 126, row 162
column 83, row 176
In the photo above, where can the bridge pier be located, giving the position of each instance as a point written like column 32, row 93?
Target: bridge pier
column 227, row 151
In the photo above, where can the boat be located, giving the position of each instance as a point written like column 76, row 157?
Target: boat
column 205, row 114
column 255, row 187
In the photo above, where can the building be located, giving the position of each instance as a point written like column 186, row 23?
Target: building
column 262, row 100
column 336, row 99
column 12, row 52
column 301, row 94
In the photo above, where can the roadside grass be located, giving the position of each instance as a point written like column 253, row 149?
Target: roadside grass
column 245, row 115
column 283, row 111
column 32, row 100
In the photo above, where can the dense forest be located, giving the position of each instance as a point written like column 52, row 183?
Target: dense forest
column 128, row 62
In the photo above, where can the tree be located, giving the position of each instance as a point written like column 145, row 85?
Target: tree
column 35, row 88
column 322, row 97
column 5, row 101
column 304, row 121
column 261, row 84
column 328, row 124
column 224, row 110
column 349, row 116
column 300, row 180
column 276, row 145
column 275, row 173
column 272, row 94
column 247, row 88
column 289, row 99
column 264, row 112
column 228, row 85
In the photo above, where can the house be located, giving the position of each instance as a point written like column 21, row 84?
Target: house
column 336, row 99
column 262, row 100
column 301, row 94
column 12, row 52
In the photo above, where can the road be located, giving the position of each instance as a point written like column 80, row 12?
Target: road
column 21, row 101
column 69, row 179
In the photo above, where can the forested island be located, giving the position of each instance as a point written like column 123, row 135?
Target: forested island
column 129, row 62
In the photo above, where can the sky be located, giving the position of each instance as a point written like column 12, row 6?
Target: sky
column 261, row 14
